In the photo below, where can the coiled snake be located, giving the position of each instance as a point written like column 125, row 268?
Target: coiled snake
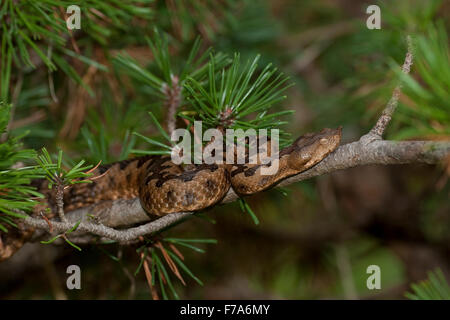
column 164, row 187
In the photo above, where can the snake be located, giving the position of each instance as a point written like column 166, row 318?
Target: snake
column 164, row 187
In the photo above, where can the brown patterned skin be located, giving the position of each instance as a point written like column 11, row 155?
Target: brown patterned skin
column 164, row 187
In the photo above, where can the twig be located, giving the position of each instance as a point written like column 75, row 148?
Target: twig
column 50, row 226
column 387, row 113
column 59, row 199
column 107, row 232
column 172, row 102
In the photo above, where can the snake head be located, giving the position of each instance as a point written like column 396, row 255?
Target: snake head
column 311, row 148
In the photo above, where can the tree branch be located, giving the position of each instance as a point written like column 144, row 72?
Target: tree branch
column 107, row 232
column 126, row 212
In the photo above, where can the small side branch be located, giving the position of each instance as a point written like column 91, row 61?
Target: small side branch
column 387, row 113
column 172, row 102
column 59, row 198
column 126, row 235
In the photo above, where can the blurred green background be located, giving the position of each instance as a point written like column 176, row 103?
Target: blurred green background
column 316, row 240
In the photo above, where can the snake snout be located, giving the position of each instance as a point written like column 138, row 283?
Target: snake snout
column 311, row 148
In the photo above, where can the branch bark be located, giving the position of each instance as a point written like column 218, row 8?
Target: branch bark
column 172, row 102
column 386, row 116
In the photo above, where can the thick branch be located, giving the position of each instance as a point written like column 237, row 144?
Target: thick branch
column 359, row 153
column 379, row 152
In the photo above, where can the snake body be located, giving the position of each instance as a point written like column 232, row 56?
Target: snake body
column 164, row 187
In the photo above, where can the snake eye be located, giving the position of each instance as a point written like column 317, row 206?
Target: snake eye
column 323, row 141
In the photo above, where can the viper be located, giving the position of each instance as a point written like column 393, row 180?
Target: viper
column 164, row 187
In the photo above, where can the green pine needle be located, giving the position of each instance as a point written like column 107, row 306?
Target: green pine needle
column 435, row 287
